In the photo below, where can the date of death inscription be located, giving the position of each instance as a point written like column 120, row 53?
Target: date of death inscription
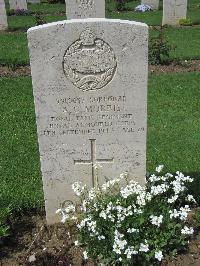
column 97, row 115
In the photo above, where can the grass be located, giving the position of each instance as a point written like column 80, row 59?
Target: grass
column 25, row 22
column 174, row 125
column 21, row 186
column 57, row 12
column 151, row 18
column 174, row 122
column 14, row 49
column 173, row 134
column 45, row 8
column 184, row 49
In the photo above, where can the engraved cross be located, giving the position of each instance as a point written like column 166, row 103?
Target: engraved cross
column 93, row 161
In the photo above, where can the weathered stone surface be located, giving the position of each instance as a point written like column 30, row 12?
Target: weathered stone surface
column 173, row 11
column 3, row 16
column 90, row 89
column 154, row 4
column 76, row 9
column 18, row 4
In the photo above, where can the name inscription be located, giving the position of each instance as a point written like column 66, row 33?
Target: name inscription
column 98, row 115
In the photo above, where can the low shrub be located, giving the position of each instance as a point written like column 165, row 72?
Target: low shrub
column 39, row 19
column 185, row 22
column 121, row 5
column 124, row 223
column 56, row 1
column 159, row 49
column 10, row 12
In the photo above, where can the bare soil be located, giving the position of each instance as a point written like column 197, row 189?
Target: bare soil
column 34, row 243
column 174, row 67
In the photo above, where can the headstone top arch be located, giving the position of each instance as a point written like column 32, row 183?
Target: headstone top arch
column 77, row 9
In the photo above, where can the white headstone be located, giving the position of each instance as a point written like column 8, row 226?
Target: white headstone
column 33, row 1
column 18, row 4
column 173, row 11
column 76, row 9
column 90, row 89
column 154, row 4
column 3, row 16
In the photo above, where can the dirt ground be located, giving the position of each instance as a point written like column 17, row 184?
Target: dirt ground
column 183, row 66
column 34, row 243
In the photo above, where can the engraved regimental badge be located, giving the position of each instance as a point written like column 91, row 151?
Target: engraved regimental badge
column 89, row 62
column 86, row 4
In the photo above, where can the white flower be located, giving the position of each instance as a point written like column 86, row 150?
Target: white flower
column 103, row 215
column 76, row 243
column 84, row 205
column 158, row 255
column 132, row 230
column 141, row 199
column 144, row 247
column 172, row 199
column 119, row 243
column 159, row 168
column 92, row 194
column 66, row 212
column 101, row 237
column 154, row 178
column 123, row 175
column 187, row 231
column 178, row 186
column 130, row 251
column 148, row 196
column 110, row 184
column 84, row 222
column 85, row 255
column 160, row 189
column 132, row 188
column 156, row 220
column 183, row 178
column 190, row 198
column 182, row 214
column 78, row 188
column 174, row 214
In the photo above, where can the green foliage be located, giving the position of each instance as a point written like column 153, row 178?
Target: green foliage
column 56, row 1
column 159, row 49
column 124, row 223
column 185, row 22
column 4, row 229
column 10, row 12
column 121, row 5
column 39, row 19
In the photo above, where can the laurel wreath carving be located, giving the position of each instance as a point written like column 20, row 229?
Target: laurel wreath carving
column 89, row 67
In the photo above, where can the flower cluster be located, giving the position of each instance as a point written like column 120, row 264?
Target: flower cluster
column 122, row 221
